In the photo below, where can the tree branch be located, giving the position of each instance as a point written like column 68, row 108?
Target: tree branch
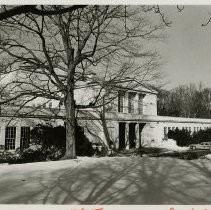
column 24, row 9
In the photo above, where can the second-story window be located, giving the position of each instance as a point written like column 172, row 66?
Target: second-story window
column 131, row 102
column 140, row 103
column 120, row 101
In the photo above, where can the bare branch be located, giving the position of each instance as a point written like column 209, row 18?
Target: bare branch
column 24, row 9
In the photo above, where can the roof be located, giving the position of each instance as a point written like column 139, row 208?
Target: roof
column 31, row 112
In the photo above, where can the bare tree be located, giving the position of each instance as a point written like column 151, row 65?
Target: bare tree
column 186, row 101
column 53, row 57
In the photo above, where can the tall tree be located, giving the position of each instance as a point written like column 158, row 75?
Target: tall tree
column 186, row 101
column 54, row 56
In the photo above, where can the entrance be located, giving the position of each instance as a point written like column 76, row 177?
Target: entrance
column 132, row 135
column 122, row 144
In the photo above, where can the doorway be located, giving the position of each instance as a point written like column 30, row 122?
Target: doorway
column 132, row 135
column 122, row 144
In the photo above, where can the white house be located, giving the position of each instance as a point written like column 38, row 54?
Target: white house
column 128, row 119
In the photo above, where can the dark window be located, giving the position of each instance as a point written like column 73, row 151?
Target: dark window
column 131, row 101
column 140, row 103
column 25, row 137
column 10, row 136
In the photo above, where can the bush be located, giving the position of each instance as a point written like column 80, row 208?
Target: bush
column 48, row 143
column 9, row 157
column 24, row 156
column 53, row 141
column 201, row 136
column 30, row 155
column 182, row 137
column 48, row 136
column 54, row 153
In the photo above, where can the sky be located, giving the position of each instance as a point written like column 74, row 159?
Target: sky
column 186, row 51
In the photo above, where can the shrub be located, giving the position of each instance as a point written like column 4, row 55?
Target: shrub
column 30, row 155
column 9, row 157
column 182, row 137
column 201, row 136
column 48, row 136
column 54, row 153
column 53, row 141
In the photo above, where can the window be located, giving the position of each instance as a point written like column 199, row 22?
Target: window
column 140, row 103
column 10, row 136
column 25, row 137
column 120, row 101
column 131, row 97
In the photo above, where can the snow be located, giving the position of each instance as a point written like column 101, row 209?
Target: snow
column 171, row 145
column 208, row 156
column 109, row 180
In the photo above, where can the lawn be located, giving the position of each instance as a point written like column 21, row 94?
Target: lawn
column 116, row 180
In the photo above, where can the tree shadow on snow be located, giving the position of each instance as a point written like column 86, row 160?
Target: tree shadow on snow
column 124, row 181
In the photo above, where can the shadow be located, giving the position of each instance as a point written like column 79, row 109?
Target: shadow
column 114, row 181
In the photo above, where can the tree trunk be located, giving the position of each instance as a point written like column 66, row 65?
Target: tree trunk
column 105, row 128
column 70, row 152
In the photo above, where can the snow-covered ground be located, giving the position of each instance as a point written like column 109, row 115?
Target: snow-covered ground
column 172, row 145
column 122, row 180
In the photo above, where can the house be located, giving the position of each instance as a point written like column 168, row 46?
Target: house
column 131, row 120
column 15, row 130
column 126, row 118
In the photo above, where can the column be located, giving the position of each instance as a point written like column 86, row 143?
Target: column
column 127, row 135
column 137, row 132
column 116, row 135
